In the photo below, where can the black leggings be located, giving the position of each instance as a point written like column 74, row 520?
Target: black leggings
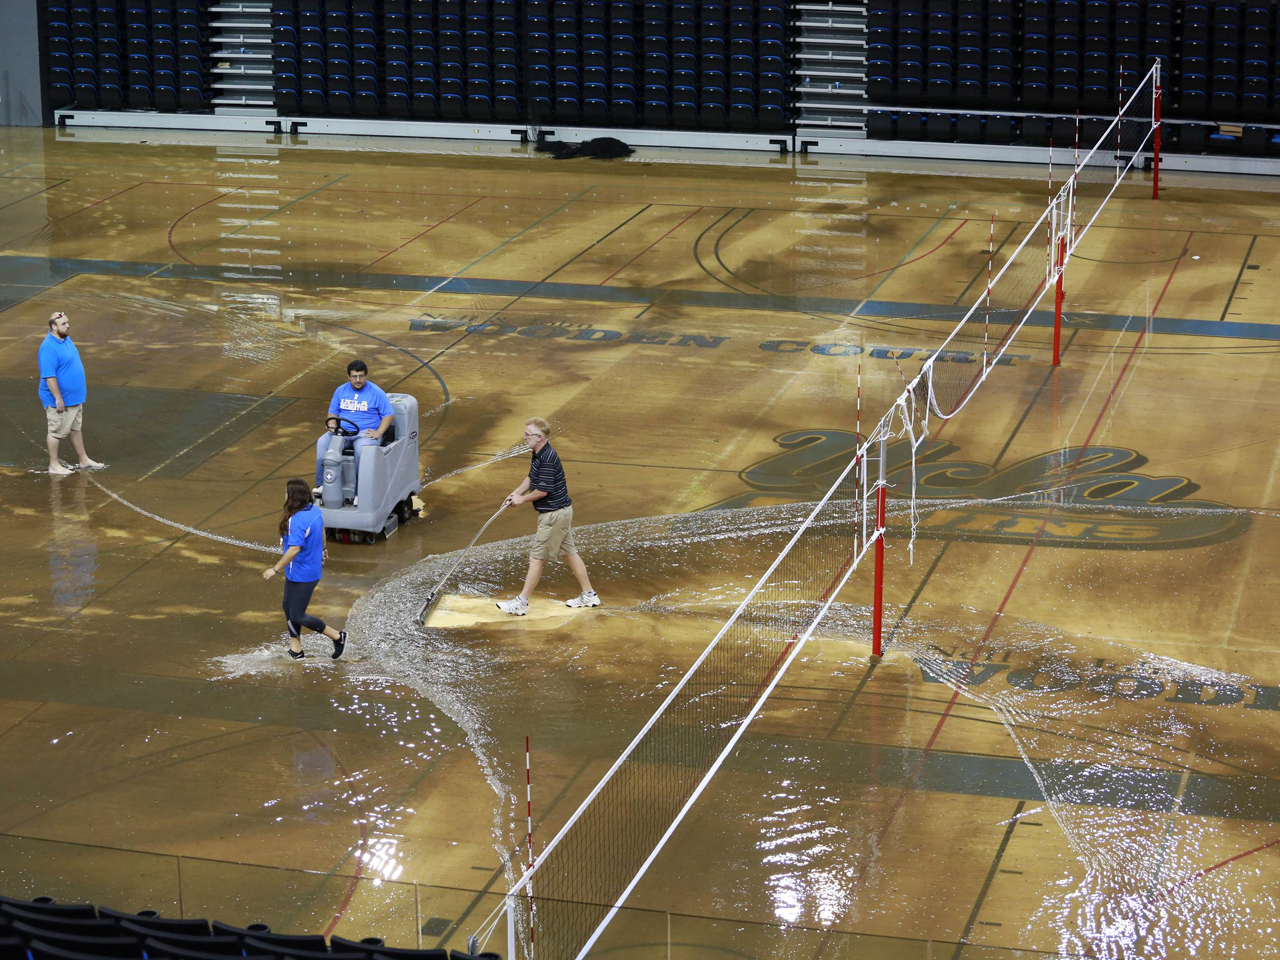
column 296, row 598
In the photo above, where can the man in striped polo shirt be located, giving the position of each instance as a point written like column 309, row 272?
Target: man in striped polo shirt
column 546, row 489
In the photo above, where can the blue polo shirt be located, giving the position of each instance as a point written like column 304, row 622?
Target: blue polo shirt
column 306, row 530
column 61, row 359
column 365, row 407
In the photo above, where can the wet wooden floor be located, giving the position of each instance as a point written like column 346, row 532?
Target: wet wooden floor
column 1069, row 747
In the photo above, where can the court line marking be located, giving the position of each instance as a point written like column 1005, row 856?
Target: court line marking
column 51, row 221
column 255, row 220
column 1170, row 819
column 1217, row 866
column 986, row 884
column 1048, row 378
column 36, row 194
column 652, row 245
column 269, row 395
column 791, row 303
column 422, row 234
column 867, row 299
column 1239, row 276
column 182, row 217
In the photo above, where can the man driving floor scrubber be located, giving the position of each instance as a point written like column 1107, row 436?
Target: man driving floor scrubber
column 365, row 407
column 367, row 467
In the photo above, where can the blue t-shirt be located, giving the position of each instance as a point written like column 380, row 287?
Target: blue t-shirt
column 365, row 407
column 306, row 530
column 61, row 359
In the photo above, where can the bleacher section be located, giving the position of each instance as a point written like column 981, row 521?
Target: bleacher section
column 978, row 71
column 708, row 65
column 140, row 54
column 712, row 65
column 1004, row 71
column 41, row 929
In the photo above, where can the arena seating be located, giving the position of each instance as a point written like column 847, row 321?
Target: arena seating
column 713, row 65
column 41, row 929
column 1041, row 58
column 140, row 54
column 709, row 65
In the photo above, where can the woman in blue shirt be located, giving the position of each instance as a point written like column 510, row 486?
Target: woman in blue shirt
column 302, row 542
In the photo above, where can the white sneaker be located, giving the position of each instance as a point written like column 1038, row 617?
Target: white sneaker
column 517, row 607
column 587, row 598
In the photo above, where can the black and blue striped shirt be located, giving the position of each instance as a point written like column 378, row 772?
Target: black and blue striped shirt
column 547, row 474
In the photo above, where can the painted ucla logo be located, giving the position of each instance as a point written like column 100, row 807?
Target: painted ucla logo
column 1099, row 489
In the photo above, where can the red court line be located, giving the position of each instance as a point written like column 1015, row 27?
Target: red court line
column 361, row 848
column 175, row 223
column 650, row 247
column 1208, row 870
column 352, row 886
column 896, row 266
column 955, row 694
column 876, row 273
column 424, row 232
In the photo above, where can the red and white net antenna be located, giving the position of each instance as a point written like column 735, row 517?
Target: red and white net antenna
column 1120, row 123
column 986, row 324
column 1048, row 223
column 1075, row 172
column 528, row 797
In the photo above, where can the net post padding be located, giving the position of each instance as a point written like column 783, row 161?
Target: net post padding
column 877, row 608
column 1156, row 113
column 1057, row 301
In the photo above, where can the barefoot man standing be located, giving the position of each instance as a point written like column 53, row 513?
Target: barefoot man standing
column 63, row 390
column 546, row 489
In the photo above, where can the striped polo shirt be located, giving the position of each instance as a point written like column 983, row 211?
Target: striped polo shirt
column 547, row 474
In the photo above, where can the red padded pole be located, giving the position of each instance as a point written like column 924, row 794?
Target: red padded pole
column 1057, row 301
column 1155, row 180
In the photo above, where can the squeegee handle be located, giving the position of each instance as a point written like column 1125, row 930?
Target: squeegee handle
column 462, row 556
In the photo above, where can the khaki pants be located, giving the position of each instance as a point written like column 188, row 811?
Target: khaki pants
column 554, row 536
column 61, row 424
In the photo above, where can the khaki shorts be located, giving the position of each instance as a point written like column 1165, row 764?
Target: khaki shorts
column 61, row 424
column 554, row 536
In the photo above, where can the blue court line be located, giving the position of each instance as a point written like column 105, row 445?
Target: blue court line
column 27, row 272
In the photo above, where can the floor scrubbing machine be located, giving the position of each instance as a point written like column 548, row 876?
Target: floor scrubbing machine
column 358, row 507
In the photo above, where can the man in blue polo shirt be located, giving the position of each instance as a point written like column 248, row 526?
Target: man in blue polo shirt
column 364, row 404
column 63, row 390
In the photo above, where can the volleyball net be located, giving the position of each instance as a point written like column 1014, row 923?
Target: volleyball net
column 562, row 904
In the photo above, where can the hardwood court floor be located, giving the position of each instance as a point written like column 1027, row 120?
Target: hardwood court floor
column 1069, row 747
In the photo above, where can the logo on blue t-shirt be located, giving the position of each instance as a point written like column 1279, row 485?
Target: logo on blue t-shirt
column 365, row 407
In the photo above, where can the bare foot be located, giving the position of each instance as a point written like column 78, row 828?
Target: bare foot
column 91, row 465
column 58, row 470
